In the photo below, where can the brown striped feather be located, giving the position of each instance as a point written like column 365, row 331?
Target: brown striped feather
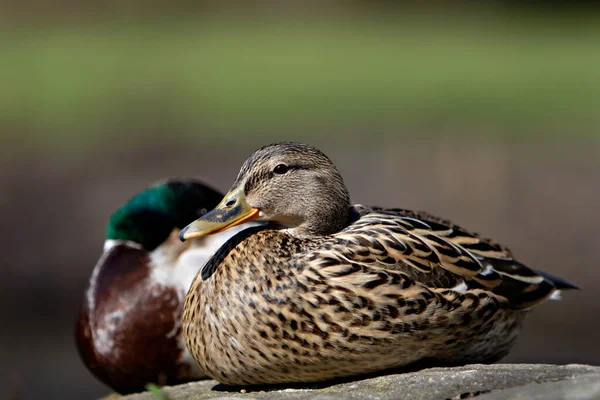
column 273, row 308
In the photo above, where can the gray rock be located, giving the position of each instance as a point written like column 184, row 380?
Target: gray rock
column 485, row 382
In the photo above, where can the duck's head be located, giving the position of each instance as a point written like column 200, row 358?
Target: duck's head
column 294, row 186
column 150, row 217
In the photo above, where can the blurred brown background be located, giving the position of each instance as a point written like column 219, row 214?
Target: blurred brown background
column 487, row 116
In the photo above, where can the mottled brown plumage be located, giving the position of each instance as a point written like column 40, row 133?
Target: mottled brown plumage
column 309, row 298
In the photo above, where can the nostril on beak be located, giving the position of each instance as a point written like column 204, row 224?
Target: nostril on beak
column 230, row 203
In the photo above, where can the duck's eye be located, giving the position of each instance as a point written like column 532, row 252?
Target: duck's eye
column 281, row 169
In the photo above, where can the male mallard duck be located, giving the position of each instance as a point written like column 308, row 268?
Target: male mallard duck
column 129, row 329
column 328, row 290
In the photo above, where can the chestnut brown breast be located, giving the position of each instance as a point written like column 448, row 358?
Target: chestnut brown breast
column 127, row 328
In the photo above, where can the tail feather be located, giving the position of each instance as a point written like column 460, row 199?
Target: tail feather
column 524, row 287
column 558, row 282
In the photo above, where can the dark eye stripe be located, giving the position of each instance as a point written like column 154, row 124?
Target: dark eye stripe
column 255, row 179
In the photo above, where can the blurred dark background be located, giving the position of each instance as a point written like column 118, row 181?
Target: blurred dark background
column 488, row 116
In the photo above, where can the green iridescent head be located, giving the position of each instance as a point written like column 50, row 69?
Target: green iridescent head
column 151, row 215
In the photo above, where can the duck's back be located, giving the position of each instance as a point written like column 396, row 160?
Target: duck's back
column 439, row 254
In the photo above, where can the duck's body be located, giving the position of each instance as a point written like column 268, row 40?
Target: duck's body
column 374, row 290
column 128, row 331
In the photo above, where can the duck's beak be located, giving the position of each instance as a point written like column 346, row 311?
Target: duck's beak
column 231, row 211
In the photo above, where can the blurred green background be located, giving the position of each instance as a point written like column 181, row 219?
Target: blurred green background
column 488, row 116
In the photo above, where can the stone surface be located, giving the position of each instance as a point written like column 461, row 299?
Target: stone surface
column 484, row 382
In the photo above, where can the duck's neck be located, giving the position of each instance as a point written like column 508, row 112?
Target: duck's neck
column 167, row 253
column 322, row 222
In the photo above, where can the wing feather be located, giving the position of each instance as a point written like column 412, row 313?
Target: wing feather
column 436, row 254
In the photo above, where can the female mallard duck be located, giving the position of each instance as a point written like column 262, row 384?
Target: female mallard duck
column 129, row 329
column 328, row 290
